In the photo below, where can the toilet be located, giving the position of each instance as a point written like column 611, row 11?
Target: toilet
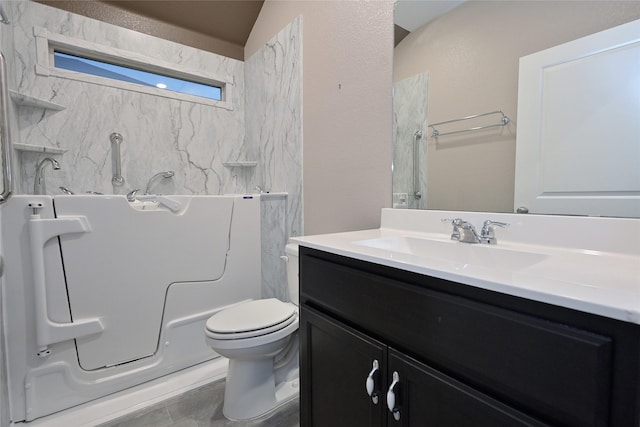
column 260, row 339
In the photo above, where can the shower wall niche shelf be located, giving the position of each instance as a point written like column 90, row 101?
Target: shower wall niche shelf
column 241, row 164
column 38, row 148
column 31, row 101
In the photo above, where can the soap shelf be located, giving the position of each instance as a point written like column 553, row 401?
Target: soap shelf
column 241, row 164
column 38, row 148
column 30, row 101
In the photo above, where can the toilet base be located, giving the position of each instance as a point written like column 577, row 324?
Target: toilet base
column 287, row 391
column 251, row 392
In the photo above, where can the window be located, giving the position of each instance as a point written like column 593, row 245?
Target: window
column 67, row 57
column 126, row 74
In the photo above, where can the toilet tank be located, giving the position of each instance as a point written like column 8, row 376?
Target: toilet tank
column 291, row 251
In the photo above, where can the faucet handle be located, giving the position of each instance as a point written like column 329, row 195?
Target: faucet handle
column 488, row 233
column 131, row 195
column 455, row 222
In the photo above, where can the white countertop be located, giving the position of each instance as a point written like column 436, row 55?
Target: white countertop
column 590, row 279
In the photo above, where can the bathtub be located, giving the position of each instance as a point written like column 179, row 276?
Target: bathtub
column 101, row 294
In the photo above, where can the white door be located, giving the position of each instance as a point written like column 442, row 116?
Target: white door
column 578, row 142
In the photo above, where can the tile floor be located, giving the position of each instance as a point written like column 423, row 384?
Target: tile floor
column 202, row 407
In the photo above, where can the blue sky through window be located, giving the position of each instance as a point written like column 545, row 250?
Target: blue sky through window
column 122, row 73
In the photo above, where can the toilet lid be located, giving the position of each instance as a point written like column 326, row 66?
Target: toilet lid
column 252, row 318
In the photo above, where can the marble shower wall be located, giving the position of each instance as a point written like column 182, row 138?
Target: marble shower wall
column 273, row 93
column 410, row 116
column 265, row 124
column 273, row 223
column 159, row 133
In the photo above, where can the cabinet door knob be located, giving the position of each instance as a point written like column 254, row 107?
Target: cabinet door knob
column 393, row 397
column 371, row 383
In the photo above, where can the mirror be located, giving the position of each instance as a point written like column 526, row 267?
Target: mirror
column 463, row 63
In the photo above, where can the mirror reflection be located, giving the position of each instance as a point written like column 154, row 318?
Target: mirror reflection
column 463, row 63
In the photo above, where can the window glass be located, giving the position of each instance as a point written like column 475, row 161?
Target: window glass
column 131, row 75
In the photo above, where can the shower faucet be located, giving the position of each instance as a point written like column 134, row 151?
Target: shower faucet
column 166, row 174
column 38, row 185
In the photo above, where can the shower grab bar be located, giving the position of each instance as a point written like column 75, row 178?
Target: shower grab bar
column 416, row 165
column 504, row 120
column 116, row 140
column 5, row 134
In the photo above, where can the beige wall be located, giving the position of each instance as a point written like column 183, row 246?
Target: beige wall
column 347, row 109
column 472, row 56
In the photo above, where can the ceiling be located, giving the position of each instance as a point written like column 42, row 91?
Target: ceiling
column 409, row 15
column 228, row 20
column 232, row 20
column 413, row 14
column 225, row 25
column 218, row 26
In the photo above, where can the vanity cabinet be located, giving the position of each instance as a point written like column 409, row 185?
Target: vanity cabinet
column 461, row 355
column 342, row 360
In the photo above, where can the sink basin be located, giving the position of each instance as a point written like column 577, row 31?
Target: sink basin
column 459, row 255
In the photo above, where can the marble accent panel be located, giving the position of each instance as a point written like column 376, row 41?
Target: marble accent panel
column 409, row 117
column 159, row 133
column 273, row 90
column 273, row 219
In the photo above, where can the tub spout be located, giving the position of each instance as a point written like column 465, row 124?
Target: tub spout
column 38, row 185
column 167, row 174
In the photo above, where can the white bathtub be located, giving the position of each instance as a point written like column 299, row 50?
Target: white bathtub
column 101, row 294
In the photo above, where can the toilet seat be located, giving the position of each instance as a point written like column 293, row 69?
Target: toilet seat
column 251, row 319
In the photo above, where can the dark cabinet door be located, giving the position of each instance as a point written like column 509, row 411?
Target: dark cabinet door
column 426, row 397
column 335, row 363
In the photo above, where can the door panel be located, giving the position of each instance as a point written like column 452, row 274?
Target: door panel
column 335, row 362
column 120, row 271
column 578, row 143
column 430, row 398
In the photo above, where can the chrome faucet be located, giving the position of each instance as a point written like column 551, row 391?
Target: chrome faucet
column 166, row 174
column 464, row 231
column 38, row 185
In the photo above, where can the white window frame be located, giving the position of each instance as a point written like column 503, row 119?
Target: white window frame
column 47, row 42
